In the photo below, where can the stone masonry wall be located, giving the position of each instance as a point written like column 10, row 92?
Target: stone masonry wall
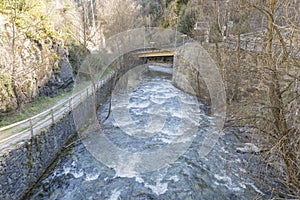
column 21, row 166
column 187, row 78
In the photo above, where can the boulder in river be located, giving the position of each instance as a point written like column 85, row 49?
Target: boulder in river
column 249, row 148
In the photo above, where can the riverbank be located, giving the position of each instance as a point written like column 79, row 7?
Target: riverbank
column 222, row 174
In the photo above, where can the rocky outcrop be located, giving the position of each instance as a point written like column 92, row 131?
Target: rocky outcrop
column 62, row 79
column 22, row 164
column 31, row 67
column 26, row 69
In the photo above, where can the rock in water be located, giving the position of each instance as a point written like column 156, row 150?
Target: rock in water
column 249, row 148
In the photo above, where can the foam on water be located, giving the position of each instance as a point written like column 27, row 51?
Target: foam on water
column 255, row 188
column 165, row 116
column 91, row 177
column 159, row 188
column 227, row 182
column 141, row 104
column 115, row 194
column 174, row 178
column 167, row 70
column 77, row 174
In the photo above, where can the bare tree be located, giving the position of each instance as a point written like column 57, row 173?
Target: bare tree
column 276, row 58
column 269, row 84
column 260, row 67
column 117, row 16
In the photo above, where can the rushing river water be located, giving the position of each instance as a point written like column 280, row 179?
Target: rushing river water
column 222, row 174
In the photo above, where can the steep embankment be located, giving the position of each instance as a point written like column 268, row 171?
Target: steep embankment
column 25, row 73
column 34, row 57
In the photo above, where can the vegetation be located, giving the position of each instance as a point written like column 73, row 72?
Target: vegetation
column 261, row 79
column 262, row 86
column 31, row 109
column 254, row 43
column 26, row 57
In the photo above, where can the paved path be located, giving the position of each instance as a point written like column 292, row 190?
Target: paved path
column 25, row 129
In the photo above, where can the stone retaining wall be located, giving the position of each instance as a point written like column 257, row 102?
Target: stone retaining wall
column 23, row 165
column 187, row 78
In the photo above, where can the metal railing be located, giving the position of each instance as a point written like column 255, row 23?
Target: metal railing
column 29, row 127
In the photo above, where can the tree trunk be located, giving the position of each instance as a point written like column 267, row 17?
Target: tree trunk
column 237, row 82
column 14, row 74
column 276, row 100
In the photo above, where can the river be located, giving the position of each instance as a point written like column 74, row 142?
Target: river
column 171, row 117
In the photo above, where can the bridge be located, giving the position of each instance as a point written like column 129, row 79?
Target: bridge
column 155, row 53
column 29, row 127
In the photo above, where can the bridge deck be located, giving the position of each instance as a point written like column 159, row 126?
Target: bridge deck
column 147, row 54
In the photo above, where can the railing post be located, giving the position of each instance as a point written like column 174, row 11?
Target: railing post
column 31, row 128
column 52, row 116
